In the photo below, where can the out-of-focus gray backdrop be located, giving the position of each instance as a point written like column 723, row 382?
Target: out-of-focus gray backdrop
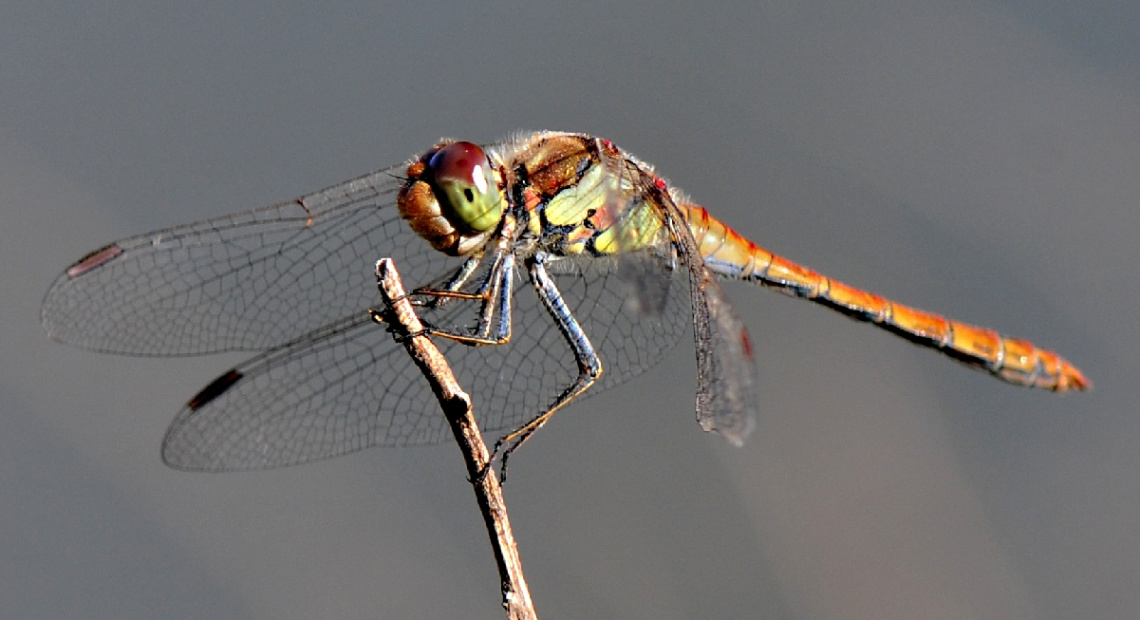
column 980, row 159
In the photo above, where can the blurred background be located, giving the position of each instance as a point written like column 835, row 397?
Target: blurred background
column 979, row 159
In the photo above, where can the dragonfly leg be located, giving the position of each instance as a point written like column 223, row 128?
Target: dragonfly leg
column 495, row 294
column 502, row 291
column 496, row 287
column 495, row 313
column 451, row 288
column 589, row 364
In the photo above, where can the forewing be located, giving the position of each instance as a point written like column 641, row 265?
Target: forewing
column 247, row 281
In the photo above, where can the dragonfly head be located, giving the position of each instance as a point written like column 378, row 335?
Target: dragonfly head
column 465, row 185
column 453, row 198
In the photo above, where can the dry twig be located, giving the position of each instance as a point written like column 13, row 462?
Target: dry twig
column 399, row 314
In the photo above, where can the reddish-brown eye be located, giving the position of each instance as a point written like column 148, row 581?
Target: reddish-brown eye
column 465, row 186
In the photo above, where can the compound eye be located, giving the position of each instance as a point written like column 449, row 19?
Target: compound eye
column 466, row 188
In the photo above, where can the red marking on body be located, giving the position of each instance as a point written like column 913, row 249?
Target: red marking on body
column 660, row 183
column 531, row 198
column 603, row 218
column 746, row 342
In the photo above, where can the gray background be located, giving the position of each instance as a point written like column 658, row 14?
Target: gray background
column 977, row 159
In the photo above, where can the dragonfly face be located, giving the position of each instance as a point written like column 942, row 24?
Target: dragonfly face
column 453, row 197
column 618, row 267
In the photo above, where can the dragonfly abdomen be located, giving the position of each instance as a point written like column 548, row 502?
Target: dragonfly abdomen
column 732, row 255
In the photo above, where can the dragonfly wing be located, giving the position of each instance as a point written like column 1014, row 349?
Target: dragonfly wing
column 342, row 388
column 512, row 383
column 649, row 224
column 248, row 281
column 726, row 371
column 348, row 386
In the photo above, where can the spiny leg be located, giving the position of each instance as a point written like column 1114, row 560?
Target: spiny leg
column 494, row 293
column 496, row 287
column 495, row 313
column 451, row 288
column 589, row 365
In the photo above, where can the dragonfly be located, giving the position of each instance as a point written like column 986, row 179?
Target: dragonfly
column 550, row 266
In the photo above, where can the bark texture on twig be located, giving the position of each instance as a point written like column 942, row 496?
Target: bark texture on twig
column 456, row 405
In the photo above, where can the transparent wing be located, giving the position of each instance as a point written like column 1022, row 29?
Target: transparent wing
column 726, row 371
column 295, row 280
column 349, row 385
column 315, row 398
column 727, row 396
column 247, row 281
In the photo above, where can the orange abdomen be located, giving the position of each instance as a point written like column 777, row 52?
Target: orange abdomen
column 1017, row 361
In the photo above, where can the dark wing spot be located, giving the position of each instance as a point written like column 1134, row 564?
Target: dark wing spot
column 216, row 388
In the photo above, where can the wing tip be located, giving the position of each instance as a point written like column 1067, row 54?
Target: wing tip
column 95, row 259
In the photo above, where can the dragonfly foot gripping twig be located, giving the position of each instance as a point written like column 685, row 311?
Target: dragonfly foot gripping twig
column 399, row 314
